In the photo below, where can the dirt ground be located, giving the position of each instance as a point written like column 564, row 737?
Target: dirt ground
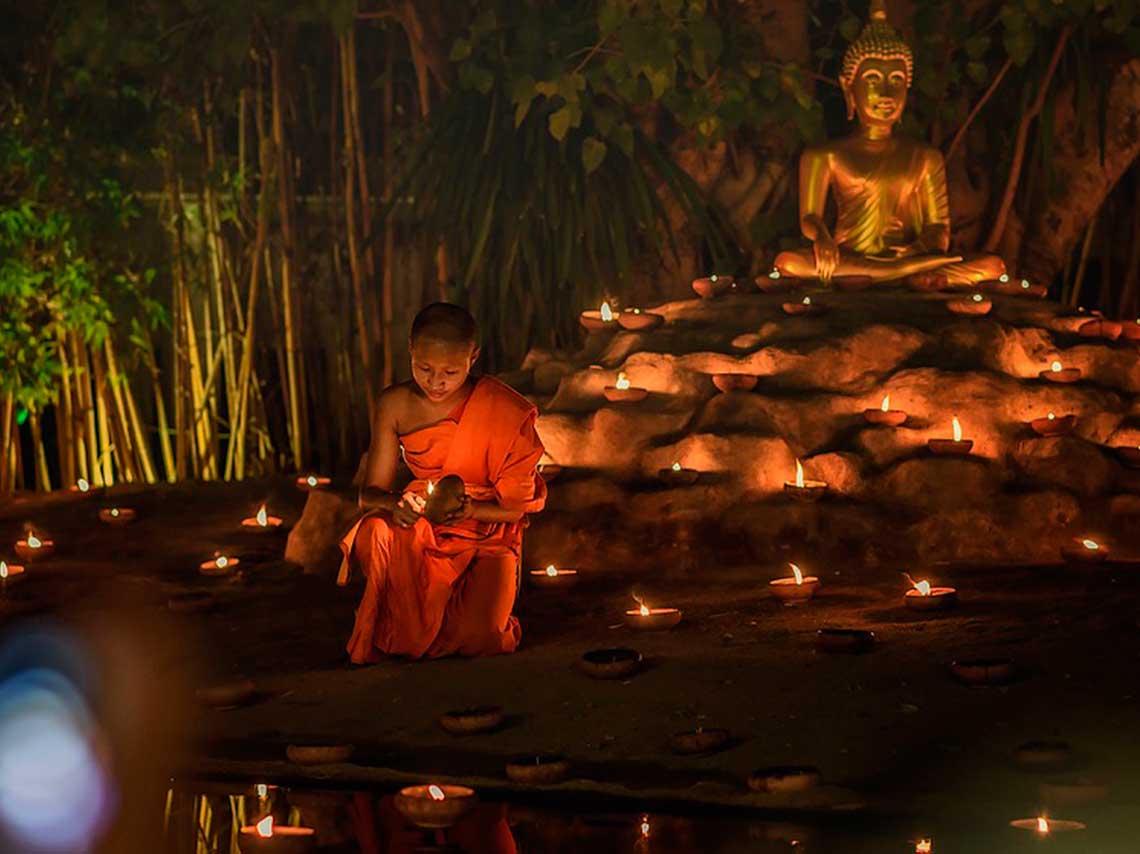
column 890, row 729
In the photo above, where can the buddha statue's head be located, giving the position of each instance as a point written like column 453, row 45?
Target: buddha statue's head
column 877, row 71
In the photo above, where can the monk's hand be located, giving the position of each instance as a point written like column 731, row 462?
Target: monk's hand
column 826, row 258
column 408, row 509
column 465, row 510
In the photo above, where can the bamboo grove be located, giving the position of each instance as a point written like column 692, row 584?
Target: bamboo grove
column 216, row 220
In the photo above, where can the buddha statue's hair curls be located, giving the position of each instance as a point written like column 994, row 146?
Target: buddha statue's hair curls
column 879, row 40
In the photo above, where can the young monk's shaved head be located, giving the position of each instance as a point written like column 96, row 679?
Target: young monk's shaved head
column 444, row 323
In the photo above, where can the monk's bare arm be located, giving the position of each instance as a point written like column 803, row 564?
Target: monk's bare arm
column 383, row 454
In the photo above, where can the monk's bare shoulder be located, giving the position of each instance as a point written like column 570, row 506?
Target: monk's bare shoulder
column 395, row 405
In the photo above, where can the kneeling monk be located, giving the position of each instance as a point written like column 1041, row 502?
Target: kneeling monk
column 446, row 589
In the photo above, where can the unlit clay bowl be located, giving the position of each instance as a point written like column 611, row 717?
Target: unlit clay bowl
column 983, row 671
column 545, row 769
column 734, row 382
column 472, row 721
column 699, row 741
column 318, row 754
column 784, row 779
column 616, row 663
column 845, row 640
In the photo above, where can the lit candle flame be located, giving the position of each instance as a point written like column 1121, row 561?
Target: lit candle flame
column 676, row 466
column 923, row 587
column 430, row 487
column 115, row 512
column 436, row 792
column 1051, row 417
column 977, row 297
column 644, row 610
column 262, row 517
column 923, row 846
column 1042, row 824
column 265, row 827
column 3, row 569
column 606, row 312
column 551, row 571
column 645, row 827
column 221, row 562
column 311, row 480
column 1025, row 284
column 712, row 278
column 82, row 485
column 807, row 300
column 1055, row 367
column 775, row 274
column 1003, row 278
column 796, row 571
column 1091, row 545
column 262, row 791
column 886, row 403
column 33, row 541
column 622, row 381
column 957, row 430
column 799, row 475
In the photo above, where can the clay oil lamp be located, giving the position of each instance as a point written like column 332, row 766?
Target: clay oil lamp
column 727, row 383
column 1129, row 456
column 774, row 282
column 1130, row 330
column 596, row 321
column 804, row 306
column 1086, row 551
column 1006, row 286
column 636, row 320
column 265, row 837
column 852, row 283
column 544, row 769
column 473, row 720
column 923, row 846
column 193, row 602
column 10, row 574
column 82, row 486
column 1044, row 826
column 553, row 578
column 1109, row 330
column 804, row 490
column 443, row 498
column 713, row 286
column 309, row 482
column 845, row 640
column 261, row 522
column 983, row 671
column 677, row 475
column 1051, row 425
column 784, row 779
column 1058, row 374
column 956, row 447
column 117, row 515
column 975, row 305
column 219, row 565
column 884, row 415
column 615, row 663
column 796, row 589
column 622, row 392
column 1045, row 756
column 319, row 754
column 699, row 742
column 646, row 619
column 434, row 806
column 923, row 597
column 32, row 548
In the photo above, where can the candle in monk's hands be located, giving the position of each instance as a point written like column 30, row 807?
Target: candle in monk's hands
column 1056, row 373
column 261, row 521
column 884, row 415
column 552, row 577
column 804, row 490
column 32, row 547
column 310, row 482
column 117, row 515
column 923, row 597
column 952, row 447
column 794, row 590
column 652, row 619
column 603, row 318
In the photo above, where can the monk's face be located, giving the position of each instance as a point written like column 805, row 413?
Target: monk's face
column 440, row 368
column 877, row 96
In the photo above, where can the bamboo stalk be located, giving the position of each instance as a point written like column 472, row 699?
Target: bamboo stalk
column 7, row 434
column 65, row 440
column 389, row 226
column 160, row 412
column 107, row 448
column 83, row 384
column 117, row 410
column 39, row 457
column 133, row 423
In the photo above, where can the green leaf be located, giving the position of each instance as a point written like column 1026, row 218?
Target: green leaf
column 660, row 80
column 593, row 153
column 460, row 50
column 549, row 88
column 977, row 71
column 559, row 122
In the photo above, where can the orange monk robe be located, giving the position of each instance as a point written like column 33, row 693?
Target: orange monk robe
column 449, row 589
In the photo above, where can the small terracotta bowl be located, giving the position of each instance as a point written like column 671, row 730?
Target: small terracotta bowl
column 678, row 477
column 811, row 491
column 657, row 620
column 845, row 640
column 117, row 515
column 699, row 741
column 545, row 769
column 796, row 309
column 784, row 779
column 790, row 593
column 625, row 395
column 1109, row 330
column 31, row 555
column 1065, row 376
column 1079, row 553
column 472, row 721
column 563, row 579
column 727, row 383
column 640, row 321
column 890, row 418
column 776, row 285
column 940, row 598
column 983, row 671
column 592, row 320
column 211, row 568
column 615, row 663
column 318, row 754
column 1046, row 426
column 950, row 448
column 415, row 804
column 970, row 306
column 711, row 288
column 285, row 840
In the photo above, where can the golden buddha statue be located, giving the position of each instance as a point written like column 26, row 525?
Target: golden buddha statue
column 890, row 192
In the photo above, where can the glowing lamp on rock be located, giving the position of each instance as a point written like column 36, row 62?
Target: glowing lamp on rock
column 952, row 447
column 623, row 391
column 309, row 482
column 975, row 305
column 622, row 381
column 1085, row 550
column 924, row 597
column 267, row 836
column 804, row 306
column 678, row 475
column 117, row 515
column 552, row 576
column 265, row 827
column 10, row 573
column 602, row 318
column 804, row 490
column 1042, row 826
column 261, row 521
column 219, row 565
column 645, row 618
column 34, row 548
column 795, row 590
column 1060, row 374
column 884, row 415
